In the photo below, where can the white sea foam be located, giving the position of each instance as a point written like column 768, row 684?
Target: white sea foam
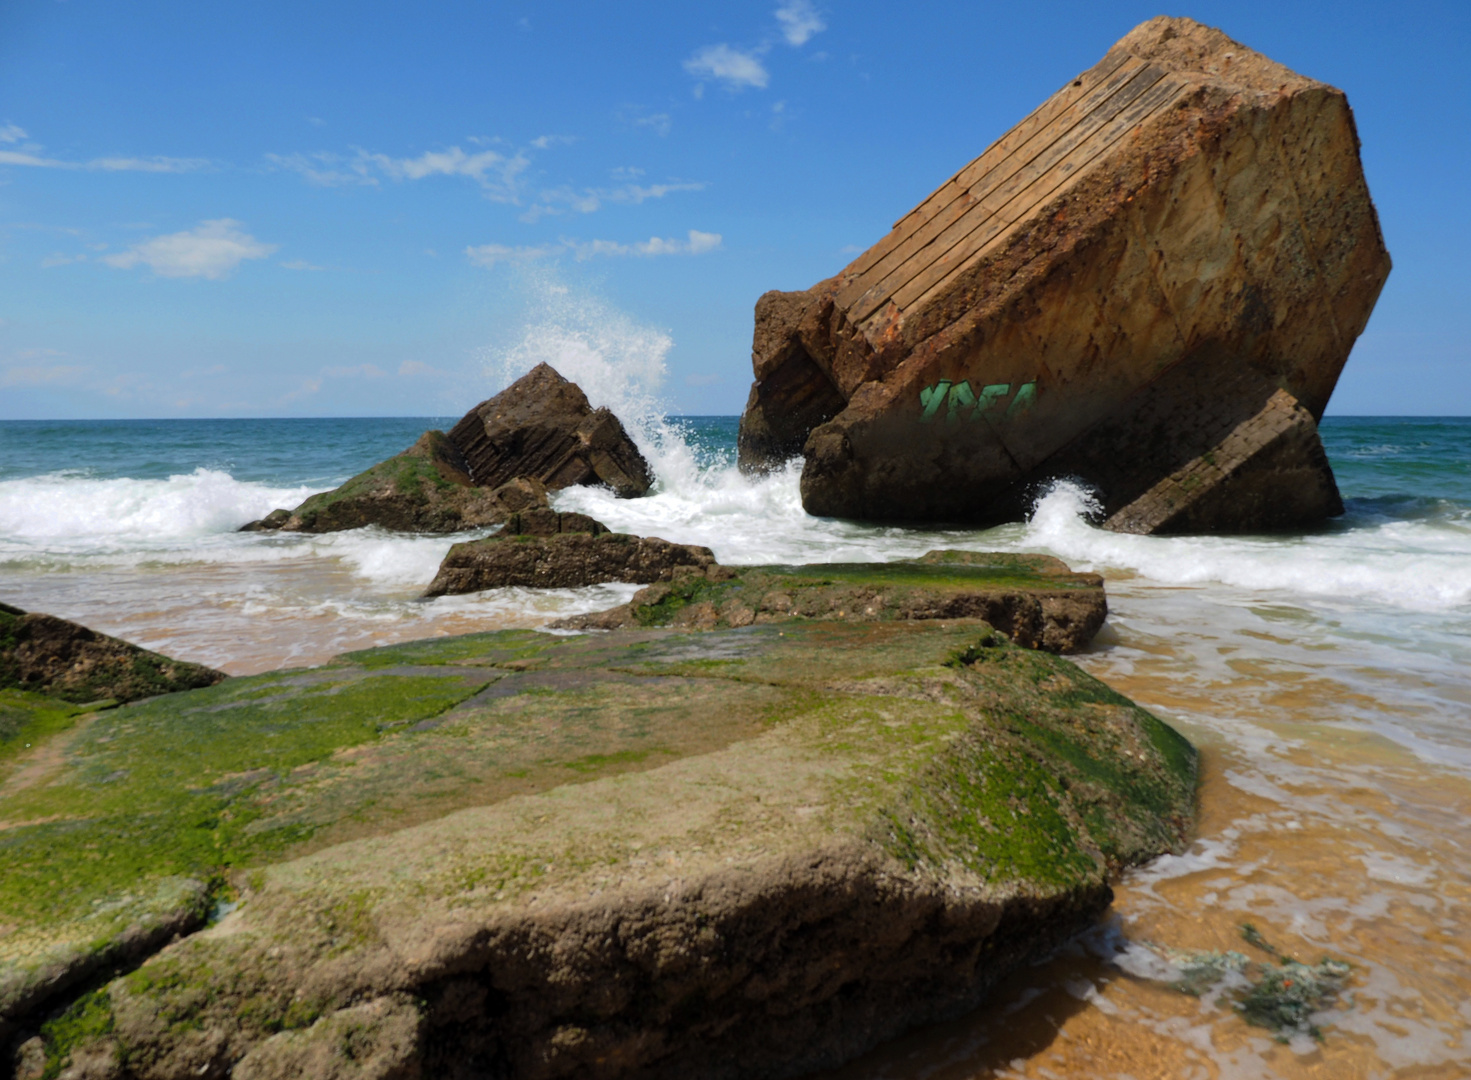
column 1415, row 565
column 71, row 513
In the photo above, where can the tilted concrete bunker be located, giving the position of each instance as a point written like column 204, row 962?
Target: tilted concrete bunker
column 1151, row 283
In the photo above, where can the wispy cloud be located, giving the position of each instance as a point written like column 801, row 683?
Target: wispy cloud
column 503, row 176
column 799, row 21
column 491, row 254
column 731, row 67
column 659, row 123
column 696, row 243
column 566, row 199
column 211, row 250
column 41, row 374
column 324, row 169
column 153, row 164
column 498, row 174
column 305, row 388
column 32, row 155
column 39, row 367
column 418, row 367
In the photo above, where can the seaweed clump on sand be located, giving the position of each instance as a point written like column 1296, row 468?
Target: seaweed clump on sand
column 1281, row 995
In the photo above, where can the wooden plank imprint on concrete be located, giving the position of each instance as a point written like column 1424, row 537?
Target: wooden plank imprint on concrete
column 1074, row 137
column 1037, row 190
column 1014, row 177
column 994, row 154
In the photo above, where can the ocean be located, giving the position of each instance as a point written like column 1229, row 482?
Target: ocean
column 1326, row 676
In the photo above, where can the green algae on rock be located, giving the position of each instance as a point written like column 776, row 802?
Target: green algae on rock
column 1034, row 599
column 585, row 554
column 651, row 852
column 426, row 488
column 62, row 659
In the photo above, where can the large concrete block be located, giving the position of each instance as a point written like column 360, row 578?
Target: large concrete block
column 1185, row 213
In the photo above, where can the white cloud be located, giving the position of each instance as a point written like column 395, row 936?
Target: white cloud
column 799, row 21
column 36, row 375
column 212, row 250
column 30, row 155
column 732, row 67
column 502, row 175
column 153, row 164
column 19, row 157
column 697, row 243
column 306, row 389
column 565, row 199
column 418, row 367
column 325, row 169
column 56, row 258
column 635, row 116
column 490, row 254
column 39, row 367
column 658, row 123
column 498, row 173
column 301, row 264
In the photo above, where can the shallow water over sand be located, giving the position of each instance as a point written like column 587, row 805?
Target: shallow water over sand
column 1323, row 834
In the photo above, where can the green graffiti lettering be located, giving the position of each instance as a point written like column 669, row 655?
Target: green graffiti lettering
column 991, row 396
column 1025, row 396
column 930, row 398
column 960, row 398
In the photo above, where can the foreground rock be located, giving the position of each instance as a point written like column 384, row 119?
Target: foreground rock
column 549, row 550
column 1150, row 283
column 742, row 852
column 1035, row 600
column 427, row 488
column 65, row 660
column 542, row 426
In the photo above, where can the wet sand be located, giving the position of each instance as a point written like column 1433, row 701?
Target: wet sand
column 244, row 618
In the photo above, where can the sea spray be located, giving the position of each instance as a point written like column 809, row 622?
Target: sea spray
column 618, row 362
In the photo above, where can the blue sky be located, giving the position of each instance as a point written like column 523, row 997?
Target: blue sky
column 274, row 209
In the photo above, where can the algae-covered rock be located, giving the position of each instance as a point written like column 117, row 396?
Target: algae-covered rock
column 1035, row 600
column 426, row 488
column 561, row 551
column 647, row 853
column 62, row 659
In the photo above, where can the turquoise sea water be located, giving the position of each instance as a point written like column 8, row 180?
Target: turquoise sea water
column 1375, row 457
column 1325, row 673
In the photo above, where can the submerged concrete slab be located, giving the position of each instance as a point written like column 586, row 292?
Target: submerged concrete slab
column 644, row 853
